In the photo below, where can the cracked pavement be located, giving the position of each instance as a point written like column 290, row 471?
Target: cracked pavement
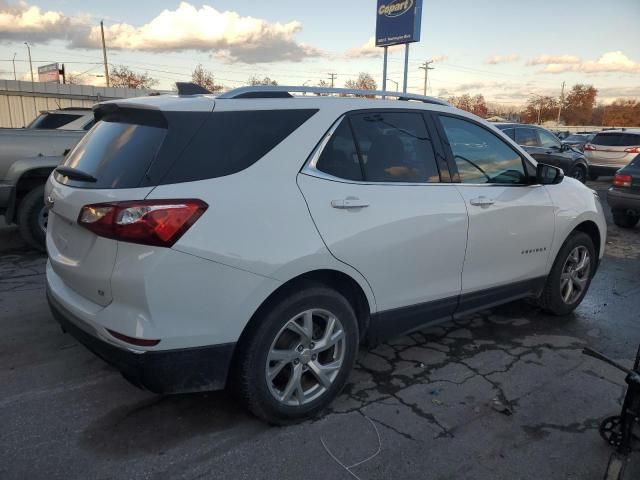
column 503, row 394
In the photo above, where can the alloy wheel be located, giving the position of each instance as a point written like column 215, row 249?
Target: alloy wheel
column 305, row 357
column 575, row 274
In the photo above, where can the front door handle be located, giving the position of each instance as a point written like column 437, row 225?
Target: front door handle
column 349, row 202
column 482, row 201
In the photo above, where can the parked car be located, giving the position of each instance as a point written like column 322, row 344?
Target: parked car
column 256, row 238
column 624, row 195
column 545, row 147
column 611, row 150
column 27, row 157
column 578, row 140
column 52, row 119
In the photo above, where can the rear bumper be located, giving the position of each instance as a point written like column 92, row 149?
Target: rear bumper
column 619, row 200
column 169, row 371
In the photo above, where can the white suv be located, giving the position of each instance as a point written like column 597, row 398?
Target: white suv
column 256, row 238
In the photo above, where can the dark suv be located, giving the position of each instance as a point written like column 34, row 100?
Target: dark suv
column 545, row 147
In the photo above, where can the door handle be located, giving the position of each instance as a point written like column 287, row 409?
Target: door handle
column 482, row 201
column 349, row 202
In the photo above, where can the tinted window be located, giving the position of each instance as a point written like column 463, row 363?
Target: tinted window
column 340, row 157
column 116, row 154
column 547, row 139
column 395, row 147
column 482, row 157
column 229, row 142
column 526, row 137
column 576, row 138
column 89, row 125
column 52, row 120
column 510, row 132
column 616, row 139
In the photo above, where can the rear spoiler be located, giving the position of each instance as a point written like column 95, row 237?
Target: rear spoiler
column 129, row 113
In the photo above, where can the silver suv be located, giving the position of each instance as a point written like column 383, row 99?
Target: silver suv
column 611, row 150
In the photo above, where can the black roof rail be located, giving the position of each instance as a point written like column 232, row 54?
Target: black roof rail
column 267, row 91
column 190, row 88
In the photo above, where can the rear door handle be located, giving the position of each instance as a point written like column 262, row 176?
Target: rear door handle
column 482, row 201
column 349, row 202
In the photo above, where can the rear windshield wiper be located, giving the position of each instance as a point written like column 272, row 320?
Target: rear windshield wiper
column 75, row 174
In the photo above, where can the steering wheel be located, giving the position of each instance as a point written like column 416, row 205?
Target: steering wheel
column 473, row 164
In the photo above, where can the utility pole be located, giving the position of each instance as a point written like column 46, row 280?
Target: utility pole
column 425, row 66
column 104, row 54
column 30, row 64
column 14, row 66
column 332, row 76
column 561, row 102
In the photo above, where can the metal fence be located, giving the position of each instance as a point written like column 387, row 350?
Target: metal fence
column 21, row 102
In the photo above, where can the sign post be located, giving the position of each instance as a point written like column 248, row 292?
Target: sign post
column 397, row 22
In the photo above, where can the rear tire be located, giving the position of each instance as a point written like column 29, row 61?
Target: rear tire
column 283, row 376
column 567, row 283
column 624, row 220
column 579, row 172
column 32, row 218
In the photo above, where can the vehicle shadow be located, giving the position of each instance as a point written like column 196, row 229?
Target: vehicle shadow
column 159, row 423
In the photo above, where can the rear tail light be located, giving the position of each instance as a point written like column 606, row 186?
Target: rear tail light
column 622, row 180
column 632, row 150
column 149, row 222
column 589, row 147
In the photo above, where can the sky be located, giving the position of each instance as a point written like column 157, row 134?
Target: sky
column 505, row 50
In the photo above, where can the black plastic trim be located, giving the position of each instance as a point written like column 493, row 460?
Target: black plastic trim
column 165, row 371
column 398, row 321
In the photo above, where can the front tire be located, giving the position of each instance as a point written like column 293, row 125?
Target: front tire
column 570, row 276
column 32, row 218
column 298, row 356
column 624, row 220
column 579, row 172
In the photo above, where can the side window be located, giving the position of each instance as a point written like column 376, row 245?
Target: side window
column 395, row 147
column 547, row 140
column 510, row 132
column 526, row 137
column 482, row 157
column 340, row 157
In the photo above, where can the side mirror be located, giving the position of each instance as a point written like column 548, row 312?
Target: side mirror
column 548, row 174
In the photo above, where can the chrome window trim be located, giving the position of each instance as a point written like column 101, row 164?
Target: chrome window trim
column 311, row 169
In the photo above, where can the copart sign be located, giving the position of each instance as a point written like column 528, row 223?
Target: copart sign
column 398, row 21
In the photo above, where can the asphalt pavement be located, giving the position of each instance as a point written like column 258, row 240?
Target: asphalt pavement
column 504, row 394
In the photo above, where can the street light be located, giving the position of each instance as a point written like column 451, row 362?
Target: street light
column 30, row 64
column 390, row 80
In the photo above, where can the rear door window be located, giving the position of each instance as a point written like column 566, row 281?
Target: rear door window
column 229, row 142
column 526, row 137
column 117, row 154
column 616, row 139
column 395, row 147
column 49, row 121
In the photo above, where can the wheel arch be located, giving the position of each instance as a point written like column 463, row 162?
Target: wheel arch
column 335, row 279
column 590, row 228
column 26, row 182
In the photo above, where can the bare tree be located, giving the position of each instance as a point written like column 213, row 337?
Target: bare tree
column 121, row 76
column 253, row 81
column 363, row 82
column 205, row 79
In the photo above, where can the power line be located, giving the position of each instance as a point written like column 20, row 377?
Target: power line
column 425, row 66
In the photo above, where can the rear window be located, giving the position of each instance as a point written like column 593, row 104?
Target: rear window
column 229, row 142
column 117, row 154
column 50, row 121
column 616, row 139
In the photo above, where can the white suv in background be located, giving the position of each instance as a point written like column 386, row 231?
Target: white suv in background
column 256, row 238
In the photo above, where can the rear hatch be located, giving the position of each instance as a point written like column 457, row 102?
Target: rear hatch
column 612, row 147
column 121, row 159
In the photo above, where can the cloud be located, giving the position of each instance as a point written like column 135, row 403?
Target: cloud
column 227, row 35
column 369, row 50
column 23, row 22
column 554, row 60
column 610, row 62
column 497, row 59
